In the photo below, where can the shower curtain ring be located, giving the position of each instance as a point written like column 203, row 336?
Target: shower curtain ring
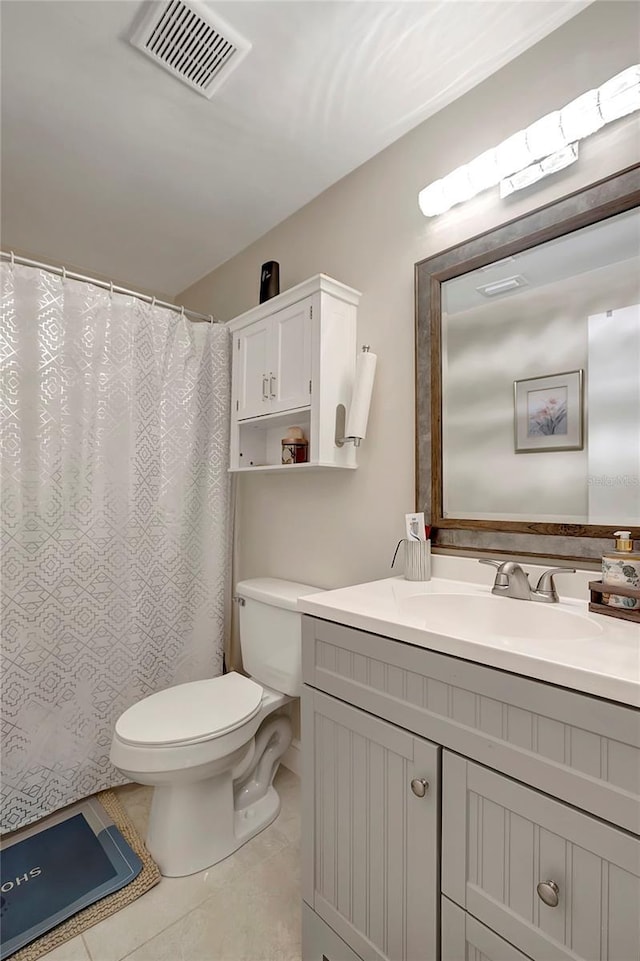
column 153, row 302
column 111, row 289
column 182, row 311
column 64, row 274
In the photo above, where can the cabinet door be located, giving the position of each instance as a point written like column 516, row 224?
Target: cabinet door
column 465, row 939
column 289, row 368
column 320, row 942
column 370, row 857
column 555, row 882
column 251, row 352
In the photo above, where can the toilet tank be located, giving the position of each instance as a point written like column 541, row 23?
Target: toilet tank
column 271, row 631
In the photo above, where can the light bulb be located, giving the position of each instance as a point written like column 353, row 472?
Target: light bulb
column 620, row 95
column 457, row 186
column 545, row 136
column 581, row 117
column 483, row 171
column 432, row 200
column 513, row 154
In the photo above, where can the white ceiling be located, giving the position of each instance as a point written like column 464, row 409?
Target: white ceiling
column 607, row 242
column 112, row 165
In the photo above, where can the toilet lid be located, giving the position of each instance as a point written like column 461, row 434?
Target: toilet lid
column 197, row 711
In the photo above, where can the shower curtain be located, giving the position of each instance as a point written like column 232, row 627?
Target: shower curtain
column 115, row 523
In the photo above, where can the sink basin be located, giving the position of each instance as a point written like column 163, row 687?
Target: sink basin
column 479, row 617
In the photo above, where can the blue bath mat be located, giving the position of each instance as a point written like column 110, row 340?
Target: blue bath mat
column 57, row 867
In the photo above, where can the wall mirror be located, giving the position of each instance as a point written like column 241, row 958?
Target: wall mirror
column 528, row 379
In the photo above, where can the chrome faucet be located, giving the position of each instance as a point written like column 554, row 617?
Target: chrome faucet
column 512, row 581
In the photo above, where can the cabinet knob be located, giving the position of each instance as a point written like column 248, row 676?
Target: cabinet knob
column 419, row 786
column 548, row 892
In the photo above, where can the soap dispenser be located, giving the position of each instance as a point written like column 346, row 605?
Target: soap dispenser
column 621, row 567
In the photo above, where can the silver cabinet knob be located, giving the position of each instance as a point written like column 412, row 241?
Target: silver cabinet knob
column 548, row 892
column 419, row 786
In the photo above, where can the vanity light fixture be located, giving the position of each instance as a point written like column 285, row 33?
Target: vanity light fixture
column 530, row 175
column 548, row 145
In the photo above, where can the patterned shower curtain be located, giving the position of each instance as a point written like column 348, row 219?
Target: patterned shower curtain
column 114, row 419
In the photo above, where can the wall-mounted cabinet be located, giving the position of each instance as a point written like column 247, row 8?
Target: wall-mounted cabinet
column 293, row 364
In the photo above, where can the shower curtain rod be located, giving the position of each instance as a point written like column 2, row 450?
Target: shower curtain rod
column 63, row 272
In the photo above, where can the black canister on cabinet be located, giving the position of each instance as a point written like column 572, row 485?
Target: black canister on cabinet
column 269, row 280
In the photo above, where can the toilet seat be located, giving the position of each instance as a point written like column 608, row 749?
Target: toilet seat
column 191, row 713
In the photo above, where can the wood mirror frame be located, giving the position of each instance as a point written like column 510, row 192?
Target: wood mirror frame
column 573, row 542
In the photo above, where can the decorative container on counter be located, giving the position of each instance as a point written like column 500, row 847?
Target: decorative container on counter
column 621, row 568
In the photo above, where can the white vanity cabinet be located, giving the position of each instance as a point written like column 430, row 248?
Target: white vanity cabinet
column 525, row 846
column 293, row 364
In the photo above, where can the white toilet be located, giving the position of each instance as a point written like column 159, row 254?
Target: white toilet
column 211, row 748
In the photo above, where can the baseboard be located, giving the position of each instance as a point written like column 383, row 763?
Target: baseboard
column 292, row 758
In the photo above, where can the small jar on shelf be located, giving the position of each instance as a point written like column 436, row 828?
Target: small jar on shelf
column 295, row 446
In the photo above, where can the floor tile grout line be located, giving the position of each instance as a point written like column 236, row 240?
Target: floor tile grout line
column 286, row 844
column 86, row 946
column 242, row 875
column 192, row 910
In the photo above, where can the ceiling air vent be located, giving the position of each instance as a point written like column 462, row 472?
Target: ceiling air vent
column 191, row 42
column 502, row 286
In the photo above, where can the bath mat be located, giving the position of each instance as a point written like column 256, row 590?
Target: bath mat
column 68, row 872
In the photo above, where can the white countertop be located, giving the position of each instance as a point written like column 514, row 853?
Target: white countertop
column 607, row 664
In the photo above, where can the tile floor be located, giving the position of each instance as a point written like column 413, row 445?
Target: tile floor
column 247, row 908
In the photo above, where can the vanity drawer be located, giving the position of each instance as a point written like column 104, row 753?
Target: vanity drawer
column 465, row 939
column 582, row 749
column 501, row 840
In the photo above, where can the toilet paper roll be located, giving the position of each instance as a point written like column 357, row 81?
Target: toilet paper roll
column 358, row 413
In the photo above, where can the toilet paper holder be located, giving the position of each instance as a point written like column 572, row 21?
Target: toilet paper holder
column 351, row 427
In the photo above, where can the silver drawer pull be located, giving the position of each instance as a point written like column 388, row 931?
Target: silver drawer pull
column 265, row 392
column 272, row 380
column 548, row 892
column 419, row 786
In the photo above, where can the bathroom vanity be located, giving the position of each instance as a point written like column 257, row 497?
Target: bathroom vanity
column 468, row 796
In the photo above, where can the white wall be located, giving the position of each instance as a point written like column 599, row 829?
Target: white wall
column 614, row 402
column 333, row 528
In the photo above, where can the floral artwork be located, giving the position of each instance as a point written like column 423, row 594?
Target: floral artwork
column 548, row 413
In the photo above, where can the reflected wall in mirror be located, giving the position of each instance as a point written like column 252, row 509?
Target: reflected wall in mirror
column 528, row 379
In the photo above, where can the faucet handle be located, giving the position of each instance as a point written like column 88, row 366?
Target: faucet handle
column 546, row 584
column 502, row 578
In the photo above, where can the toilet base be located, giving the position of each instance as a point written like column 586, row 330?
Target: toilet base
column 254, row 819
column 180, row 856
column 195, row 824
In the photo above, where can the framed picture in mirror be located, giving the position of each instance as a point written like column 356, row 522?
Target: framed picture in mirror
column 548, row 413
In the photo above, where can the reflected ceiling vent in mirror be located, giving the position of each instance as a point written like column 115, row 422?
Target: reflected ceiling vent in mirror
column 191, row 42
column 502, row 286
